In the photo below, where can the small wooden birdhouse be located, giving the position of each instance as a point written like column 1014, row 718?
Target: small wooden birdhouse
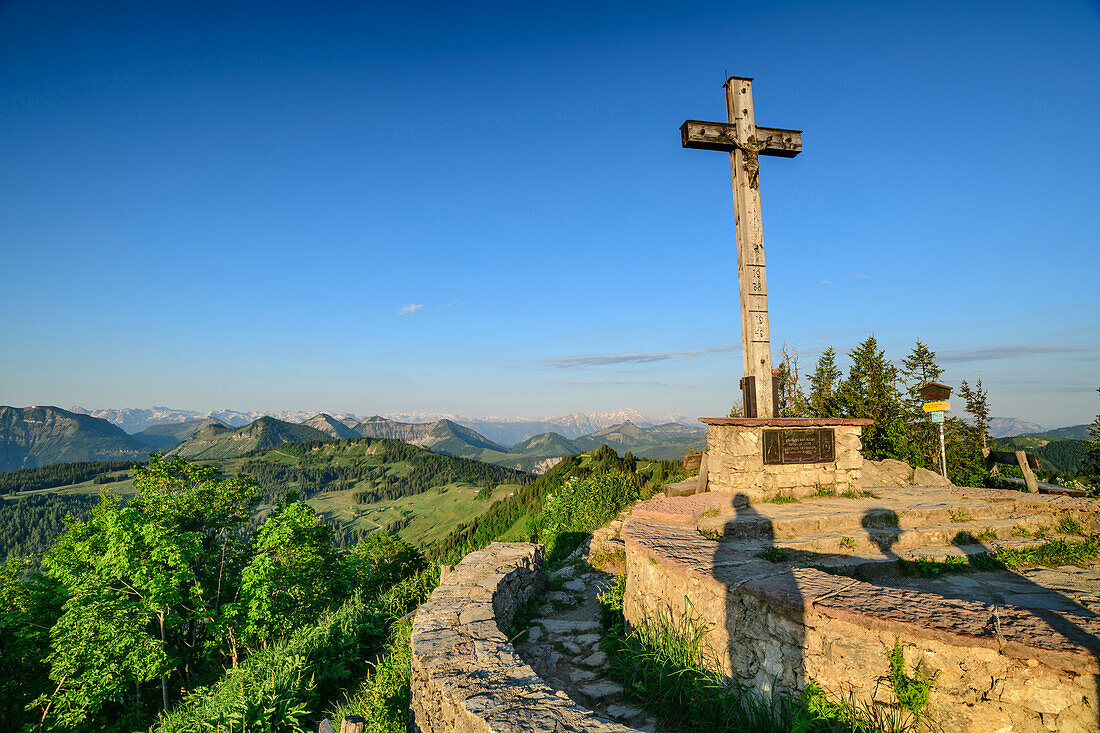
column 934, row 392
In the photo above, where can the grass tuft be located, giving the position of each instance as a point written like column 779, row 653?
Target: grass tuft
column 781, row 498
column 773, row 554
column 1068, row 525
column 959, row 515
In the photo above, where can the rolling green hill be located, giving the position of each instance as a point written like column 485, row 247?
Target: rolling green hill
column 1073, row 432
column 659, row 442
column 546, row 445
column 360, row 486
column 216, row 441
column 39, row 436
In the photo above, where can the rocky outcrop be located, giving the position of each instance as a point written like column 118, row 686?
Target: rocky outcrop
column 889, row 473
column 466, row 676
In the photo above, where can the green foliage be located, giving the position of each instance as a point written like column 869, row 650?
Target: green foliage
column 294, row 574
column 580, row 506
column 934, row 568
column 28, row 609
column 140, row 603
column 519, row 514
column 278, row 689
column 781, row 498
column 912, row 692
column 870, row 392
column 382, row 699
column 1090, row 458
column 773, row 554
column 1068, row 525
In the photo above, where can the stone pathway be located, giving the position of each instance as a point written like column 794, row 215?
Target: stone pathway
column 562, row 644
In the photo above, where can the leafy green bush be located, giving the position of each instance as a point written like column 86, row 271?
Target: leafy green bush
column 579, row 507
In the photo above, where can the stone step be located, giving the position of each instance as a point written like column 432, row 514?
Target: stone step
column 787, row 521
column 895, row 540
column 868, row 565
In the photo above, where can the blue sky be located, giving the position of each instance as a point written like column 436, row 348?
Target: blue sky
column 484, row 209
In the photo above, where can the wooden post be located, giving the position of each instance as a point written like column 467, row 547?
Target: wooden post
column 748, row 221
column 353, row 724
column 1025, row 469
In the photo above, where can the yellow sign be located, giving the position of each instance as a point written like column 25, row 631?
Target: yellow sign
column 941, row 406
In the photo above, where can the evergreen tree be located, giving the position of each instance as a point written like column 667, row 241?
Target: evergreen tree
column 825, row 386
column 870, row 391
column 977, row 404
column 919, row 368
column 1090, row 458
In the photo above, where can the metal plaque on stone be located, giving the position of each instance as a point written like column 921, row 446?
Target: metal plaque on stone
column 799, row 445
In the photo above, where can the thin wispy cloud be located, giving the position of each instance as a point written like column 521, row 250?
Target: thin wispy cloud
column 626, row 382
column 860, row 276
column 577, row 362
column 1012, row 352
column 408, row 310
column 826, row 282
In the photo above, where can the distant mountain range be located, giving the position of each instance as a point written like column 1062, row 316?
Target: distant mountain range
column 38, row 436
column 501, row 430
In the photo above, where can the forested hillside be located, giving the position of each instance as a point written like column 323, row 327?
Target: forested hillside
column 142, row 606
column 217, row 441
column 38, row 436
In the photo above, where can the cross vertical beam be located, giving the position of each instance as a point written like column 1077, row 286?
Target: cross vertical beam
column 749, row 226
column 745, row 143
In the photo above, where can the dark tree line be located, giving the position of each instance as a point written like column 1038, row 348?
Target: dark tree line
column 58, row 474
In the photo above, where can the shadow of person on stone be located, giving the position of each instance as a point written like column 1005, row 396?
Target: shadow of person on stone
column 764, row 609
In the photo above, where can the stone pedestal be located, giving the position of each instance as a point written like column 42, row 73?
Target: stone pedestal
column 802, row 455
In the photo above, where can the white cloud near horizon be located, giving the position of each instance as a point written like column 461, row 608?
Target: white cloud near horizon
column 1011, row 352
column 408, row 310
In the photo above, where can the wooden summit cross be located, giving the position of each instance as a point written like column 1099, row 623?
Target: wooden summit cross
column 745, row 142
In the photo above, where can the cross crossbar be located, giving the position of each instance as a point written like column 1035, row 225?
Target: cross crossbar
column 721, row 136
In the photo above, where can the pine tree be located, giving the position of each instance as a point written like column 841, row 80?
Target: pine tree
column 918, row 369
column 824, row 386
column 870, row 391
column 977, row 404
column 1090, row 457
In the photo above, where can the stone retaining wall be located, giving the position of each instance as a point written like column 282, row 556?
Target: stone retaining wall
column 466, row 677
column 734, row 461
column 776, row 628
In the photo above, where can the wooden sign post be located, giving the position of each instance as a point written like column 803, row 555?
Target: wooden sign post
column 936, row 403
column 745, row 142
